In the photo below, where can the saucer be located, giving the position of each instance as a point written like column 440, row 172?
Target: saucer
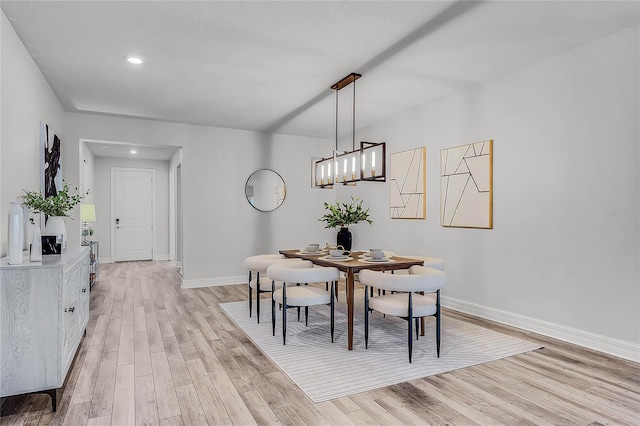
column 339, row 258
column 370, row 260
column 368, row 256
column 312, row 253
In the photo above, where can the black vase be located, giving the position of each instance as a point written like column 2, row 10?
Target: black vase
column 344, row 238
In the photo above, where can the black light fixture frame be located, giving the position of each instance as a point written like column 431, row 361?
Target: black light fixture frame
column 376, row 175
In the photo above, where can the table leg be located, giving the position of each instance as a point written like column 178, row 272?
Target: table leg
column 350, row 303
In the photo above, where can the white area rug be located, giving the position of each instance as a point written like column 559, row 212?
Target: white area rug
column 325, row 370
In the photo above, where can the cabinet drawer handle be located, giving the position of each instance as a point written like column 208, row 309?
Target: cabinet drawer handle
column 84, row 290
column 71, row 309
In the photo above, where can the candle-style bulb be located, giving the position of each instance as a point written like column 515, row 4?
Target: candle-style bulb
column 373, row 164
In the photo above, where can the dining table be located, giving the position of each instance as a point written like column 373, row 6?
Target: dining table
column 351, row 265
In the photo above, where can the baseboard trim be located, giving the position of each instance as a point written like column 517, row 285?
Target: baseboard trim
column 598, row 342
column 161, row 257
column 214, row 282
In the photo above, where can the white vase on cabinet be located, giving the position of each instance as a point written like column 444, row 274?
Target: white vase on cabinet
column 36, row 245
column 55, row 226
column 15, row 238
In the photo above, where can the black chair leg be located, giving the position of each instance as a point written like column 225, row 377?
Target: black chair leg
column 284, row 314
column 417, row 329
column 250, row 296
column 298, row 313
column 258, row 292
column 438, row 323
column 273, row 308
column 306, row 316
column 366, row 318
column 332, row 309
column 410, row 322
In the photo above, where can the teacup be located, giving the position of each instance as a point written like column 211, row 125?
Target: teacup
column 312, row 247
column 377, row 254
column 336, row 253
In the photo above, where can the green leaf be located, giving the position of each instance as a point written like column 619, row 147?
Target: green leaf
column 57, row 205
column 343, row 214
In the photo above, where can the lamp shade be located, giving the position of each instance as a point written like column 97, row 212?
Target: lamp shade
column 87, row 212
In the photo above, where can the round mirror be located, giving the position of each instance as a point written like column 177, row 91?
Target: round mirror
column 265, row 190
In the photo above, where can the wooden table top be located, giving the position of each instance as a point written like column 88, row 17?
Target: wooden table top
column 356, row 264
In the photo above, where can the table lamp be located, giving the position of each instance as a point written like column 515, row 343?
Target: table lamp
column 87, row 214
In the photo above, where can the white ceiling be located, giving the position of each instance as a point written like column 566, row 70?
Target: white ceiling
column 267, row 66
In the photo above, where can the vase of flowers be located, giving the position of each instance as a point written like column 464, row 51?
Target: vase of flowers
column 341, row 215
column 56, row 207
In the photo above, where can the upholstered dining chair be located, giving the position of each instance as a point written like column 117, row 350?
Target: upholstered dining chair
column 290, row 294
column 262, row 284
column 409, row 301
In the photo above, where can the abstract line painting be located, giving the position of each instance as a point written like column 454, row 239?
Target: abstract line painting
column 466, row 192
column 51, row 176
column 407, row 184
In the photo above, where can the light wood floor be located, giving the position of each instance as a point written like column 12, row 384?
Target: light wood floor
column 157, row 354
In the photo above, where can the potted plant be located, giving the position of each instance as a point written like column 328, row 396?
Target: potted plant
column 342, row 215
column 56, row 207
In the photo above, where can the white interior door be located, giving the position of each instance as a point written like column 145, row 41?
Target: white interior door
column 132, row 191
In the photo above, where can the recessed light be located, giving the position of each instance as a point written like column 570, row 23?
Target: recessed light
column 133, row 151
column 135, row 60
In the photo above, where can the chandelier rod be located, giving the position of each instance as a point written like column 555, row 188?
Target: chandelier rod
column 353, row 127
column 337, row 119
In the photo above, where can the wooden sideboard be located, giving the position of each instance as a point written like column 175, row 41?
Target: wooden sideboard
column 44, row 309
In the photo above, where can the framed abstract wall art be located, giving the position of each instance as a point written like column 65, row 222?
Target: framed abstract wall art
column 466, row 186
column 407, row 184
column 50, row 173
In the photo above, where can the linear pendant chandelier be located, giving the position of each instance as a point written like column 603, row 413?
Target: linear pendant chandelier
column 368, row 163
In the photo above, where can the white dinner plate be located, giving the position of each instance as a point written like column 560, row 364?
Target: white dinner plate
column 383, row 260
column 339, row 259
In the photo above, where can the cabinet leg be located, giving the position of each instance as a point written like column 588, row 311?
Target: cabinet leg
column 53, row 393
column 85, row 332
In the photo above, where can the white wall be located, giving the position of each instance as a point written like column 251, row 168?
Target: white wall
column 175, row 237
column 102, row 197
column 220, row 226
column 26, row 99
column 87, row 173
column 565, row 246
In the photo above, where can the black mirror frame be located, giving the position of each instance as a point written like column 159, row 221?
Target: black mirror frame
column 283, row 184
